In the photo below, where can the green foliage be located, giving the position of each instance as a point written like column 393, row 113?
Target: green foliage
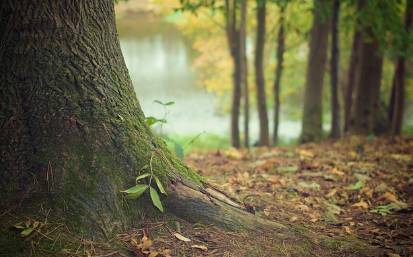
column 155, row 198
column 384, row 210
column 139, row 189
column 152, row 121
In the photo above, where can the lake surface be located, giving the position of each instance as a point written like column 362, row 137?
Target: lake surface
column 159, row 60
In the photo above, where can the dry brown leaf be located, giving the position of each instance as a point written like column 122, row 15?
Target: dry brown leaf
column 361, row 204
column 367, row 191
column 336, row 172
column 393, row 255
column 181, row 237
column 347, row 229
column 332, row 193
column 389, row 196
column 293, row 218
column 200, row 247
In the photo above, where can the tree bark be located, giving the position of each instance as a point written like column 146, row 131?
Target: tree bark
column 244, row 70
column 233, row 43
column 396, row 106
column 353, row 69
column 367, row 105
column 312, row 112
column 73, row 133
column 264, row 138
column 278, row 72
column 335, row 55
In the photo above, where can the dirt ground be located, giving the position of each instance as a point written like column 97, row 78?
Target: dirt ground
column 359, row 188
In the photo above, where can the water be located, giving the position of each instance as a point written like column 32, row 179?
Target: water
column 159, row 61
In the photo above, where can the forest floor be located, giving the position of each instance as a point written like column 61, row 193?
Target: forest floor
column 360, row 187
column 356, row 188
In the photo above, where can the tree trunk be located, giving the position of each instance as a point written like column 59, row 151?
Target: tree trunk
column 367, row 105
column 73, row 133
column 353, row 69
column 233, row 43
column 312, row 112
column 278, row 72
column 396, row 106
column 335, row 55
column 264, row 138
column 244, row 71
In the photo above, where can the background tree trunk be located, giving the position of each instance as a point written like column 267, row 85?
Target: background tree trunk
column 278, row 72
column 264, row 138
column 312, row 112
column 367, row 104
column 244, row 70
column 396, row 106
column 353, row 67
column 233, row 44
column 335, row 55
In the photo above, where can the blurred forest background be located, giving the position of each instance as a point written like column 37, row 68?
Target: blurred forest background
column 213, row 74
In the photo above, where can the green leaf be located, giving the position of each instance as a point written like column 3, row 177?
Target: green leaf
column 138, row 189
column 152, row 120
column 159, row 184
column 144, row 175
column 155, row 198
column 26, row 232
column 356, row 186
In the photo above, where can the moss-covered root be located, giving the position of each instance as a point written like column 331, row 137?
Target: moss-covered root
column 210, row 206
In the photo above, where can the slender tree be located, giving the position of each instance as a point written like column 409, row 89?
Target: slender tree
column 312, row 112
column 335, row 54
column 244, row 70
column 232, row 32
column 264, row 138
column 351, row 77
column 396, row 107
column 278, row 70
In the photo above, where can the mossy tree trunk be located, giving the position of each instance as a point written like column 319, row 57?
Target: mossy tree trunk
column 72, row 131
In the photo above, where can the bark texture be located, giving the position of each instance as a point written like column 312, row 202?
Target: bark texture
column 278, row 72
column 335, row 54
column 232, row 33
column 73, row 133
column 353, row 68
column 396, row 106
column 367, row 104
column 244, row 70
column 312, row 112
column 264, row 137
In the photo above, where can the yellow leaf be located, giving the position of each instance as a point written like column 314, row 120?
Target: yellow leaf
column 181, row 237
column 305, row 153
column 146, row 243
column 347, row 229
column 361, row 204
column 153, row 254
column 200, row 247
column 293, row 218
column 389, row 196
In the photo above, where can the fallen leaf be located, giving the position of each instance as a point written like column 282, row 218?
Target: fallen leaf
column 347, row 229
column 361, row 204
column 153, row 254
column 181, row 237
column 389, row 196
column 200, row 247
column 331, row 193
